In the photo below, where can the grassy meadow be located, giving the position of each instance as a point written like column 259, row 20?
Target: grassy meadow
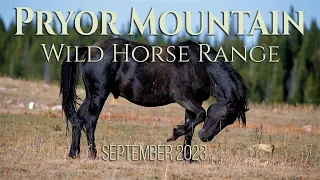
column 279, row 142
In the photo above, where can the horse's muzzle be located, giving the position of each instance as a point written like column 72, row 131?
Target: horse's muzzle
column 204, row 136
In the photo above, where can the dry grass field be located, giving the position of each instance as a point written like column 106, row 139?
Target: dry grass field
column 279, row 142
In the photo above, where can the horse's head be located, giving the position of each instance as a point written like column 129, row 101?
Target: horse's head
column 219, row 115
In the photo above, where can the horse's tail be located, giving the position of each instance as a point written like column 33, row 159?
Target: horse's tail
column 68, row 84
column 226, row 84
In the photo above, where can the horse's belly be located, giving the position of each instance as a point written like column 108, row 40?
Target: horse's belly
column 148, row 100
column 151, row 103
column 148, row 96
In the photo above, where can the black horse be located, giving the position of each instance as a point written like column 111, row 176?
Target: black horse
column 153, row 83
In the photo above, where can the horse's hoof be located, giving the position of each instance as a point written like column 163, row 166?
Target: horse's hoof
column 70, row 156
column 73, row 156
column 172, row 136
column 191, row 161
column 92, row 155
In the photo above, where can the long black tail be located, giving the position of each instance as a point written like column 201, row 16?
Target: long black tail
column 68, row 84
column 228, row 85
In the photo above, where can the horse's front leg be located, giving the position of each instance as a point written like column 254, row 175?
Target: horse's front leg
column 194, row 108
column 189, row 116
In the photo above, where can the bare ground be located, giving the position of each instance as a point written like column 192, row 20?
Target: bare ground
column 33, row 142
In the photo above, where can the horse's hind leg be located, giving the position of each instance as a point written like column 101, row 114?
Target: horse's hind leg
column 88, row 113
column 77, row 125
column 97, row 100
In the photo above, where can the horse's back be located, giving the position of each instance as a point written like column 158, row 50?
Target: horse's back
column 150, row 83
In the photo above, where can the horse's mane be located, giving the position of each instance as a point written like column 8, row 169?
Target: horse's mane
column 228, row 85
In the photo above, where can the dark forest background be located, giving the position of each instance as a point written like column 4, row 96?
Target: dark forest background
column 294, row 79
